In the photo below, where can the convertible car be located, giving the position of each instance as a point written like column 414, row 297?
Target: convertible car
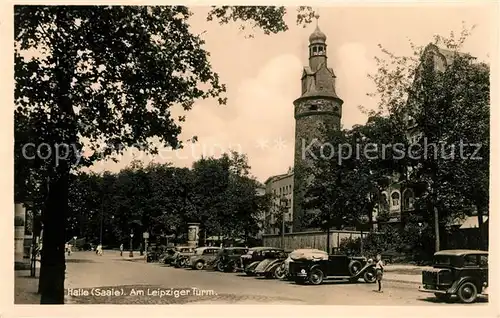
column 315, row 267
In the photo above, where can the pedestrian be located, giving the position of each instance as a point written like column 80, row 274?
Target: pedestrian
column 99, row 250
column 379, row 268
column 121, row 249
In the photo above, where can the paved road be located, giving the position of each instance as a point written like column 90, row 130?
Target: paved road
column 86, row 271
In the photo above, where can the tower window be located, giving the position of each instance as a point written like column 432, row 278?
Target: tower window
column 313, row 107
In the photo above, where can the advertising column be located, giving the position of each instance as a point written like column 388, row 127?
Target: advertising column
column 193, row 232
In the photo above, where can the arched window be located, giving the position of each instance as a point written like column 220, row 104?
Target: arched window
column 384, row 201
column 408, row 199
column 395, row 198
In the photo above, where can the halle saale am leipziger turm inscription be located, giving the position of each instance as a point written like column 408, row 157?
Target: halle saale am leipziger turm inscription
column 317, row 106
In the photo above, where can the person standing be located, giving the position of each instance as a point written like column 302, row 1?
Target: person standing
column 379, row 268
column 99, row 250
column 121, row 249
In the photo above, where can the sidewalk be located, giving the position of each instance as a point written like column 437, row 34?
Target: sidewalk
column 404, row 273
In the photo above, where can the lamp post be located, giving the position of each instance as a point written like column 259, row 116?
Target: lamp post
column 131, row 254
column 74, row 239
column 283, row 209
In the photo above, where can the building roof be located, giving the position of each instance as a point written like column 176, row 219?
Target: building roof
column 460, row 252
column 469, row 222
column 279, row 176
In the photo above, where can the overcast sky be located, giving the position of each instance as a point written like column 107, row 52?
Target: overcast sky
column 262, row 75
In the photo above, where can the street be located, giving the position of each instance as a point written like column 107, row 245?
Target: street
column 126, row 279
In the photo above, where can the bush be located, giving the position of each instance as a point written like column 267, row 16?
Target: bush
column 18, row 221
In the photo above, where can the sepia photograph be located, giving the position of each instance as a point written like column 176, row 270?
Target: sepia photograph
column 252, row 155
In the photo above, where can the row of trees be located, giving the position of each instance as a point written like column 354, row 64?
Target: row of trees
column 218, row 193
column 429, row 107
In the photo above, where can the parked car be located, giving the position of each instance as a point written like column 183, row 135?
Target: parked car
column 181, row 256
column 300, row 254
column 315, row 270
column 168, row 255
column 463, row 273
column 271, row 266
column 255, row 255
column 228, row 258
column 203, row 256
column 154, row 252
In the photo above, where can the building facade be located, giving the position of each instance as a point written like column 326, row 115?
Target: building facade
column 397, row 201
column 317, row 107
column 280, row 215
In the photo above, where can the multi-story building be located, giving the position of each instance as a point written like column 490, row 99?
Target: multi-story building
column 280, row 215
column 397, row 200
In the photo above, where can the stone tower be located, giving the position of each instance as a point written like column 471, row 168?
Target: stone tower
column 318, row 105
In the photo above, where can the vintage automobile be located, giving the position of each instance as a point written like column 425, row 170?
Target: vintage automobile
column 181, row 257
column 168, row 255
column 153, row 253
column 315, row 268
column 255, row 255
column 203, row 256
column 463, row 273
column 271, row 266
column 299, row 254
column 228, row 258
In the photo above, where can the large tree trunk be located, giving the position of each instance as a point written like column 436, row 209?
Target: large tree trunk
column 53, row 267
column 436, row 229
column 483, row 243
column 63, row 132
column 328, row 240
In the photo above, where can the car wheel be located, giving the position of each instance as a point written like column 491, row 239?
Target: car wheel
column 370, row 275
column 279, row 272
column 316, row 276
column 467, row 292
column 199, row 265
column 220, row 267
column 443, row 297
column 354, row 267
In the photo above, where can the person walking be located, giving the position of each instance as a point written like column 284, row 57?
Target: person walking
column 121, row 249
column 99, row 250
column 379, row 268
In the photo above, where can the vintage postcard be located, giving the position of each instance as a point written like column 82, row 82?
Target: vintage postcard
column 296, row 155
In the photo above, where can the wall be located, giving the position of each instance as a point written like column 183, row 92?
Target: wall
column 312, row 239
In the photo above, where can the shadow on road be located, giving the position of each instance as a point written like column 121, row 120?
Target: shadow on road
column 453, row 300
column 74, row 260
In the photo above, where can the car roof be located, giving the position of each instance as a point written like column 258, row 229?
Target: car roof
column 207, row 247
column 235, row 248
column 460, row 252
column 261, row 248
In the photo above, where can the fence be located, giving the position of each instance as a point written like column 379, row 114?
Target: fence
column 312, row 239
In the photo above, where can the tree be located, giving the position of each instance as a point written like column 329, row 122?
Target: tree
column 438, row 97
column 106, row 75
column 339, row 193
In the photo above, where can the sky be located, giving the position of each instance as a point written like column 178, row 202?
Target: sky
column 263, row 73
